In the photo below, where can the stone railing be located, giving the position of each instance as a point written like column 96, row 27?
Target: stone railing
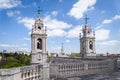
column 32, row 72
column 81, row 68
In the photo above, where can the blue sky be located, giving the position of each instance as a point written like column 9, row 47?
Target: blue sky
column 64, row 20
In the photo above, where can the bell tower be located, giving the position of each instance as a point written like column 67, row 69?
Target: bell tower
column 87, row 41
column 38, row 42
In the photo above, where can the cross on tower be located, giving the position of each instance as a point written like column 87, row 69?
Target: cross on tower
column 86, row 19
column 39, row 10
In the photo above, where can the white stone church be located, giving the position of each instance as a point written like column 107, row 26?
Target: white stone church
column 44, row 68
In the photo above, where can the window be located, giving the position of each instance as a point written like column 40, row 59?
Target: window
column 39, row 43
column 91, row 45
column 88, row 32
column 39, row 27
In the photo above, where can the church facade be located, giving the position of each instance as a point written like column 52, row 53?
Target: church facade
column 44, row 68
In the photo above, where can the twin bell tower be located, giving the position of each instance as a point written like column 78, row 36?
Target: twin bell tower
column 38, row 42
column 39, row 36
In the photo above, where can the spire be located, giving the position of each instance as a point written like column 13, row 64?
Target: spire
column 62, row 50
column 86, row 19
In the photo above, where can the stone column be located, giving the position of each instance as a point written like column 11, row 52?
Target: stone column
column 45, row 72
column 85, row 65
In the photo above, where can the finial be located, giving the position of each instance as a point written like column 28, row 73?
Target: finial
column 86, row 19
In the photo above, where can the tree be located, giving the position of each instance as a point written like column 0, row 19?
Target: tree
column 74, row 55
column 15, row 60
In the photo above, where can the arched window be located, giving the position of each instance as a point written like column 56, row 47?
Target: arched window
column 39, row 27
column 39, row 43
column 91, row 45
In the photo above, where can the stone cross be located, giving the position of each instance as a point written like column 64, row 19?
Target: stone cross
column 86, row 19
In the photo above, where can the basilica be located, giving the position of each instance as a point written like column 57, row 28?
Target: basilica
column 51, row 68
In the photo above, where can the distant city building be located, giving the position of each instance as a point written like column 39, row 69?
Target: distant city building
column 4, row 51
column 22, row 52
column 61, row 54
column 53, row 54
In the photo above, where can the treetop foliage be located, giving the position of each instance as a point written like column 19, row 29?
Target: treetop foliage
column 14, row 60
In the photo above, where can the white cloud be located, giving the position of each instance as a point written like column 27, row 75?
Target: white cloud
column 54, row 13
column 81, row 7
column 98, row 27
column 24, row 44
column 74, row 32
column 12, row 13
column 67, row 41
column 102, row 34
column 27, row 22
column 28, row 39
column 108, row 43
column 12, row 45
column 55, row 49
column 6, row 4
column 23, row 49
column 29, row 33
column 116, row 17
column 55, row 24
column 8, row 45
column 55, row 27
column 107, row 21
column 56, row 33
